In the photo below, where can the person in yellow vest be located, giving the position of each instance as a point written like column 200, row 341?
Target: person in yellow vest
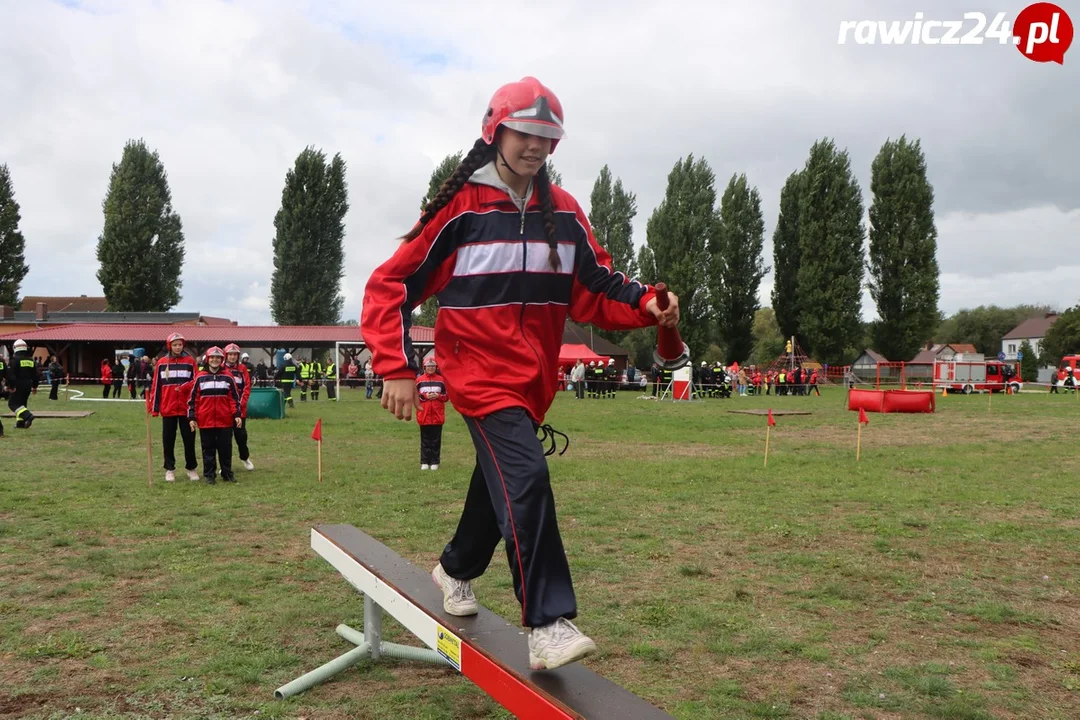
column 331, row 378
column 781, row 383
column 316, row 378
column 305, row 378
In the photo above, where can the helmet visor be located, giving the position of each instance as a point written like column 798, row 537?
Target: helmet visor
column 535, row 127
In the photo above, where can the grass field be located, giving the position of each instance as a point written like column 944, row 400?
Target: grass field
column 938, row 578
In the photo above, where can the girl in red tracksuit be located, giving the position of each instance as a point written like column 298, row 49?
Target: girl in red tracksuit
column 106, row 378
column 169, row 393
column 431, row 389
column 214, row 408
column 242, row 376
column 509, row 256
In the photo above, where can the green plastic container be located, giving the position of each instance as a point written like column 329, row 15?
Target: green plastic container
column 266, row 403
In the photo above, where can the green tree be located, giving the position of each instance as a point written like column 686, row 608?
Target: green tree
column 141, row 247
column 309, row 254
column 1029, row 365
column 831, row 266
column 984, row 326
column 13, row 267
column 904, row 276
column 785, row 292
column 554, row 175
column 768, row 342
column 679, row 233
column 646, row 265
column 428, row 312
column 737, row 267
column 611, row 215
column 1063, row 338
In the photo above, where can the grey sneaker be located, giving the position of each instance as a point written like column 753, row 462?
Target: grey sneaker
column 170, row 476
column 193, row 476
column 558, row 644
column 248, row 465
column 458, row 598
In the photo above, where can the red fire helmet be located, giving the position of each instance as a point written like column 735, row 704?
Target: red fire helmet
column 174, row 337
column 526, row 106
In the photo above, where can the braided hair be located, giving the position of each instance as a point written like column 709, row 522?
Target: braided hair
column 543, row 187
column 479, row 155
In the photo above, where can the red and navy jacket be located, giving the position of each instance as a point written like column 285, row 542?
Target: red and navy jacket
column 214, row 401
column 502, row 308
column 242, row 376
column 432, row 412
column 171, row 388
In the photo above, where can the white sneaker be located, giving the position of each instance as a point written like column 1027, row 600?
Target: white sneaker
column 434, row 467
column 192, row 475
column 558, row 644
column 425, row 466
column 170, row 476
column 458, row 598
column 248, row 464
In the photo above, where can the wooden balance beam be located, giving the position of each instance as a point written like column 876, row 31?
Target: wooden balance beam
column 484, row 648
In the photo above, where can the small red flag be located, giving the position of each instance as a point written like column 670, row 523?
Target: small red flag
column 772, row 423
column 317, row 432
column 862, row 417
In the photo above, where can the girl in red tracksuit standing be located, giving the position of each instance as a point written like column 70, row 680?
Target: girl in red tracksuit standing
column 509, row 255
column 169, row 393
column 431, row 388
column 242, row 376
column 214, row 408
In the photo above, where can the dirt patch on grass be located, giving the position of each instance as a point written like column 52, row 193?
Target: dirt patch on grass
column 623, row 452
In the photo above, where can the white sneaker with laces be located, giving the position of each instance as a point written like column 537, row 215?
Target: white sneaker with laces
column 170, row 476
column 249, row 465
column 458, row 598
column 192, row 475
column 558, row 644
column 425, row 466
column 434, row 467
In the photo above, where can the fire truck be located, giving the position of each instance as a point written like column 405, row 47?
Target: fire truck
column 969, row 377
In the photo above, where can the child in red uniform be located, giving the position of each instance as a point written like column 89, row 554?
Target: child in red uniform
column 214, row 408
column 430, row 417
column 242, row 376
column 509, row 256
column 173, row 376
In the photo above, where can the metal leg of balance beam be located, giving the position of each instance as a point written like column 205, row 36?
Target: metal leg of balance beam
column 369, row 645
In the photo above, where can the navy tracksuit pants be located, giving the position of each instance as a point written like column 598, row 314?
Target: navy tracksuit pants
column 510, row 499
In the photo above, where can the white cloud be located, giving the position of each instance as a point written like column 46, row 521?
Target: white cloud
column 230, row 92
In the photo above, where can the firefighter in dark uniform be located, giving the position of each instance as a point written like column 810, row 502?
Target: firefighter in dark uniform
column 612, row 378
column 22, row 379
column 286, row 377
column 3, row 388
column 598, row 378
column 331, row 378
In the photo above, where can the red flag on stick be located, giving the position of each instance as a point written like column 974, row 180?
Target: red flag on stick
column 863, row 420
column 768, row 426
column 316, row 434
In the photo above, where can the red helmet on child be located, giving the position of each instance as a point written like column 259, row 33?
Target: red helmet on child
column 215, row 351
column 174, row 337
column 526, row 106
column 232, row 348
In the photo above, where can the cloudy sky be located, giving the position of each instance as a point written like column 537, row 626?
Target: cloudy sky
column 229, row 93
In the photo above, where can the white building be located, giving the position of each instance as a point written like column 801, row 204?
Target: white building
column 1033, row 330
